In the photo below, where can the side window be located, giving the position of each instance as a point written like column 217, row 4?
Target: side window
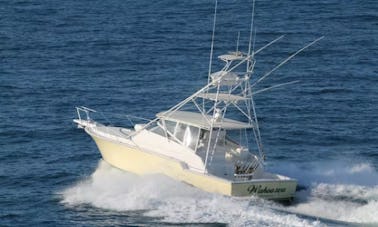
column 180, row 131
column 191, row 137
column 222, row 137
column 186, row 134
column 170, row 126
column 158, row 130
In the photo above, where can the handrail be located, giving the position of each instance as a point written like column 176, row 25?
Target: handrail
column 86, row 110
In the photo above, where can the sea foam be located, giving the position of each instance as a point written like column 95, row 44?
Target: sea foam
column 337, row 190
column 177, row 202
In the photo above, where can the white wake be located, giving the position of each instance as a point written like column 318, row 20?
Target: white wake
column 338, row 191
column 331, row 194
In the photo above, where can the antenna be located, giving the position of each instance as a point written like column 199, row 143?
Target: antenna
column 251, row 28
column 254, row 40
column 212, row 40
column 237, row 43
column 250, row 34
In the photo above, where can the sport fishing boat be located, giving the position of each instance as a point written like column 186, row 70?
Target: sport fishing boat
column 210, row 140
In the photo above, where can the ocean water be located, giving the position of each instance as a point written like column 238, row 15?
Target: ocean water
column 141, row 57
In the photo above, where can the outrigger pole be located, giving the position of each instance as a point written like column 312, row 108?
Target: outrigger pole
column 212, row 40
column 172, row 109
column 246, row 58
column 251, row 53
column 250, row 35
column 286, row 60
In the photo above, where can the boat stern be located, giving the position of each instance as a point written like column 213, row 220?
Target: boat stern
column 275, row 189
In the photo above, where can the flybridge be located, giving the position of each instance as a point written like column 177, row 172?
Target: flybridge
column 203, row 121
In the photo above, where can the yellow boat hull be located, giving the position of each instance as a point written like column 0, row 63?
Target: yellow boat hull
column 132, row 159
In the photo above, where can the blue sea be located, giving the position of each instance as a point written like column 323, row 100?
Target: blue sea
column 141, row 57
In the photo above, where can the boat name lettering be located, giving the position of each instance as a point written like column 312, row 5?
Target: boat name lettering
column 260, row 189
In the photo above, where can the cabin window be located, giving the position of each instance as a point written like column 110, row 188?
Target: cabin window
column 204, row 136
column 222, row 136
column 180, row 131
column 158, row 130
column 170, row 125
column 185, row 134
column 191, row 137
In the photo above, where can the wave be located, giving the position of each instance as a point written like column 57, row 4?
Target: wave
column 177, row 202
column 347, row 203
column 336, row 190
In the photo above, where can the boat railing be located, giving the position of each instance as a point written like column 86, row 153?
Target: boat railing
column 111, row 119
column 85, row 121
column 86, row 110
column 246, row 169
